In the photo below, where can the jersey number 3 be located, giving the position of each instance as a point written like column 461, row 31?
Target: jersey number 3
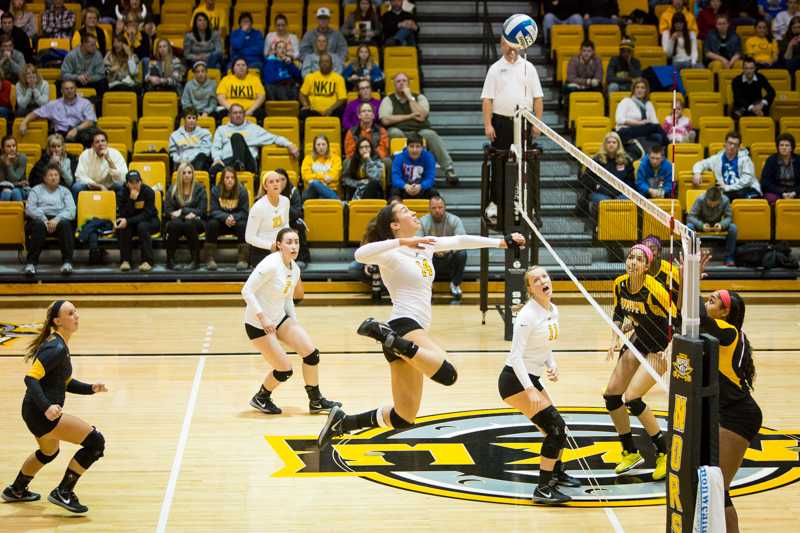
column 552, row 332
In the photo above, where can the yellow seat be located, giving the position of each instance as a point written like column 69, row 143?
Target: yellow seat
column 277, row 108
column 151, row 151
column 585, row 104
column 120, row 104
column 258, row 12
column 642, row 34
column 593, row 148
column 616, row 221
column 691, row 197
column 605, row 35
column 626, row 7
column 12, row 224
column 160, row 103
column 176, row 11
column 248, row 180
column 686, row 155
column 419, row 206
column 154, row 128
column 154, row 173
column 50, row 74
column 786, row 104
column 325, row 220
column 47, row 43
column 779, row 78
column 686, row 184
column 790, row 125
column 705, row 104
column 714, row 129
column 697, row 80
column 118, row 129
column 396, row 144
column 664, row 98
column 36, row 134
column 329, row 126
column 174, row 33
column 293, row 11
column 650, row 56
column 613, row 101
column 724, row 80
column 651, row 226
column 759, row 152
column 274, row 157
column 288, row 127
column 752, row 219
column 86, row 92
column 745, row 32
column 32, row 151
column 754, row 129
column 413, row 79
column 96, row 204
column 787, row 220
column 213, row 74
column 361, row 212
column 565, row 35
column 399, row 57
column 590, row 129
column 75, row 149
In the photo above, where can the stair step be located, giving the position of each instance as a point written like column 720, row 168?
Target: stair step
column 496, row 9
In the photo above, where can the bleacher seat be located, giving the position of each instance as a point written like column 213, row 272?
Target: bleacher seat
column 212, row 73
column 360, row 213
column 202, row 177
column 50, row 74
column 118, row 130
column 32, row 151
column 172, row 32
column 396, row 144
column 329, row 126
column 420, row 206
column 643, row 34
column 277, row 108
column 413, row 79
column 400, row 57
column 325, row 220
column 686, row 184
column 787, row 220
column 664, row 98
column 273, row 157
column 311, row 12
column 759, row 152
column 257, row 11
column 53, row 43
column 616, row 221
column 154, row 128
column 160, row 103
column 288, row 127
column 626, row 7
column 714, row 129
column 565, row 35
column 686, row 155
column 786, row 104
column 36, row 134
column 744, row 31
column 153, row 173
column 12, row 225
column 121, row 104
column 605, row 35
column 697, row 80
column 248, row 180
column 613, row 101
column 724, row 79
column 293, row 11
column 790, row 125
column 650, row 56
column 705, row 104
column 96, row 204
column 752, row 219
column 755, row 129
column 651, row 226
column 585, row 104
column 590, row 129
column 778, row 77
column 153, row 151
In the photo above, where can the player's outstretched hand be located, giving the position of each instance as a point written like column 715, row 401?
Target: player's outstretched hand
column 514, row 239
column 417, row 242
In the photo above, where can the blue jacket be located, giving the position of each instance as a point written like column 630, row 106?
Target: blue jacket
column 249, row 46
column 276, row 71
column 647, row 179
column 408, row 171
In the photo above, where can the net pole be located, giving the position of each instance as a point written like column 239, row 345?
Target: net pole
column 690, row 323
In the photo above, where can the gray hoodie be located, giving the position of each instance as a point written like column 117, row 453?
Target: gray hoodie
column 44, row 204
column 254, row 136
column 701, row 213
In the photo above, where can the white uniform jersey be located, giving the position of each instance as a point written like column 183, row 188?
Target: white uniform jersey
column 269, row 290
column 408, row 274
column 265, row 220
column 535, row 331
column 509, row 85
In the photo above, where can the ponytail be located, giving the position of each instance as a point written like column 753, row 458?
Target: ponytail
column 380, row 227
column 52, row 313
column 735, row 317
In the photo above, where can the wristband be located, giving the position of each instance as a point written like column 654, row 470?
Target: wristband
column 510, row 242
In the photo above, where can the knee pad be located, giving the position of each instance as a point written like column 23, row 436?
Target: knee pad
column 446, row 375
column 398, row 422
column 613, row 401
column 551, row 422
column 44, row 459
column 728, row 501
column 636, row 406
column 282, row 375
column 312, row 359
column 92, row 449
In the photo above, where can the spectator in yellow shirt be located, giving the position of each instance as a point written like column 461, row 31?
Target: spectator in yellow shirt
column 239, row 87
column 321, row 170
column 217, row 15
column 323, row 92
column 762, row 47
column 678, row 6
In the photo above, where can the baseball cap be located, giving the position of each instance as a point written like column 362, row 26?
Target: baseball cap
column 323, row 12
column 133, row 175
column 627, row 43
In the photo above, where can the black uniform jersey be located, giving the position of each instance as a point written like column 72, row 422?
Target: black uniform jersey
column 732, row 358
column 648, row 309
column 662, row 276
column 50, row 375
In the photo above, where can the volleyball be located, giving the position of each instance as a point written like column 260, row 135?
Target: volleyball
column 520, row 31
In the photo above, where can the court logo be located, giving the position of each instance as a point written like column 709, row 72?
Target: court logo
column 682, row 368
column 10, row 331
column 493, row 456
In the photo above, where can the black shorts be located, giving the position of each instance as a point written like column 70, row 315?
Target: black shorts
column 402, row 326
column 647, row 344
column 508, row 384
column 34, row 418
column 256, row 333
column 742, row 417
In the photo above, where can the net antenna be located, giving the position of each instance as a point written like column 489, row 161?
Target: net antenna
column 690, row 243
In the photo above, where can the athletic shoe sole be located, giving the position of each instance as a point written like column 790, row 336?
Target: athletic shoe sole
column 32, row 497
column 265, row 410
column 324, row 437
column 550, row 501
column 631, row 467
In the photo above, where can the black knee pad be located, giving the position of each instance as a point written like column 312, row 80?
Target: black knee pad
column 728, row 501
column 613, row 401
column 446, row 375
column 44, row 459
column 312, row 359
column 92, row 449
column 551, row 422
column 282, row 375
column 398, row 422
column 636, row 406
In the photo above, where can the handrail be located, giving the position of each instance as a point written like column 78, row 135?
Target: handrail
column 489, row 52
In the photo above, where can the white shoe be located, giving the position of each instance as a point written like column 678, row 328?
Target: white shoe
column 66, row 268
column 491, row 212
column 455, row 291
column 30, row 269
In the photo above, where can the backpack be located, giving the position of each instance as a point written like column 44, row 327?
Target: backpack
column 766, row 255
column 780, row 256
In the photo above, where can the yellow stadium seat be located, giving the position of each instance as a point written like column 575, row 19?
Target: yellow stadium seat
column 120, row 104
column 565, row 35
column 151, row 151
column 361, row 212
column 32, row 151
column 399, row 57
column 277, row 108
column 174, row 33
column 592, row 148
column 585, row 104
column 413, row 79
column 590, row 129
column 724, row 79
column 778, row 77
column 36, row 134
column 207, row 123
column 686, row 184
column 273, row 157
column 288, row 127
column 616, row 221
column 613, row 101
column 759, row 152
column 691, row 197
column 153, row 173
column 705, row 104
column 626, row 7
column 752, row 219
column 714, row 129
column 325, row 220
column 790, row 125
column 744, row 32
column 787, row 220
column 396, row 144
column 50, row 74
column 248, row 180
column 176, row 11
column 604, row 34
column 786, row 104
column 12, row 224
column 755, row 129
column 47, row 43
column 213, row 74
column 642, row 34
column 96, row 204
column 118, row 129
column 86, row 92
column 311, row 12
column 664, row 98
column 75, row 149
column 419, row 206
column 686, row 155
column 160, row 103
column 650, row 56
column 697, row 80
column 154, row 128
column 651, row 226
column 293, row 11
column 258, row 12
column 329, row 126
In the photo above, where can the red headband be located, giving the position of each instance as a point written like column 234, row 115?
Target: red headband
column 647, row 251
column 725, row 298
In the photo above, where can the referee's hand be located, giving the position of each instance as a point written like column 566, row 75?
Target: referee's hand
column 490, row 133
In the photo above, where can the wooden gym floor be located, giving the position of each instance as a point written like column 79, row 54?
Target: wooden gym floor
column 185, row 452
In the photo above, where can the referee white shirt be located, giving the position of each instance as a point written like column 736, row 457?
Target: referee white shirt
column 509, row 85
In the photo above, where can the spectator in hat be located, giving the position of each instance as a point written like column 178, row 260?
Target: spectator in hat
column 337, row 45
column 136, row 215
column 623, row 68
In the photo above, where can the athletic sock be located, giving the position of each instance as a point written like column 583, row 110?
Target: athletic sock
column 22, row 482
column 313, row 393
column 404, row 347
column 368, row 419
column 545, row 476
column 658, row 442
column 68, row 483
column 263, row 393
column 627, row 443
column 558, row 467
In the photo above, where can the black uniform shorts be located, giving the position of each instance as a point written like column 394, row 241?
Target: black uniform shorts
column 508, row 384
column 402, row 326
column 256, row 333
column 742, row 417
column 34, row 418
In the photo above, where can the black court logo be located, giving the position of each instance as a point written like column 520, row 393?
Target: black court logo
column 9, row 331
column 492, row 455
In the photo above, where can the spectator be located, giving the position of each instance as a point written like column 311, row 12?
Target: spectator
column 679, row 128
column 131, row 10
column 99, row 167
column 711, row 211
column 733, row 170
column 399, row 27
column 623, row 68
column 269, row 214
column 723, row 44
column 364, row 173
column 678, row 6
column 413, row 171
column 707, row 18
column 13, row 169
column 140, row 40
column 311, row 61
column 122, row 66
column 362, row 68
column 367, row 129
column 680, row 44
column 187, row 205
column 50, row 210
column 55, row 154
column 72, row 115
column 5, row 99
column 24, row 20
column 636, row 117
column 281, row 77
column 202, row 43
column 296, row 221
column 321, row 171
column 780, row 178
column 241, row 88
column 18, row 36
column 282, row 33
column 601, row 12
column 790, row 47
column 363, row 26
column 769, row 9
column 236, row 143
column 560, row 12
column 404, row 112
column 164, row 70
column 752, row 94
column 585, row 70
column 32, row 91
column 12, row 62
column 782, row 21
column 136, row 215
column 351, row 115
column 229, row 208
column 84, row 65
column 612, row 157
column 337, row 45
column 323, row 91
column 761, row 46
column 744, row 12
column 91, row 18
column 58, row 22
column 200, row 92
column 654, row 177
column 448, row 265
column 106, row 8
column 217, row 15
column 247, row 43
column 190, row 143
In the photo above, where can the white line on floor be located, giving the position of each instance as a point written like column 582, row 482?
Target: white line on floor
column 612, row 517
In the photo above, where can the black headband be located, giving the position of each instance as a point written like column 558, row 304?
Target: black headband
column 56, row 308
